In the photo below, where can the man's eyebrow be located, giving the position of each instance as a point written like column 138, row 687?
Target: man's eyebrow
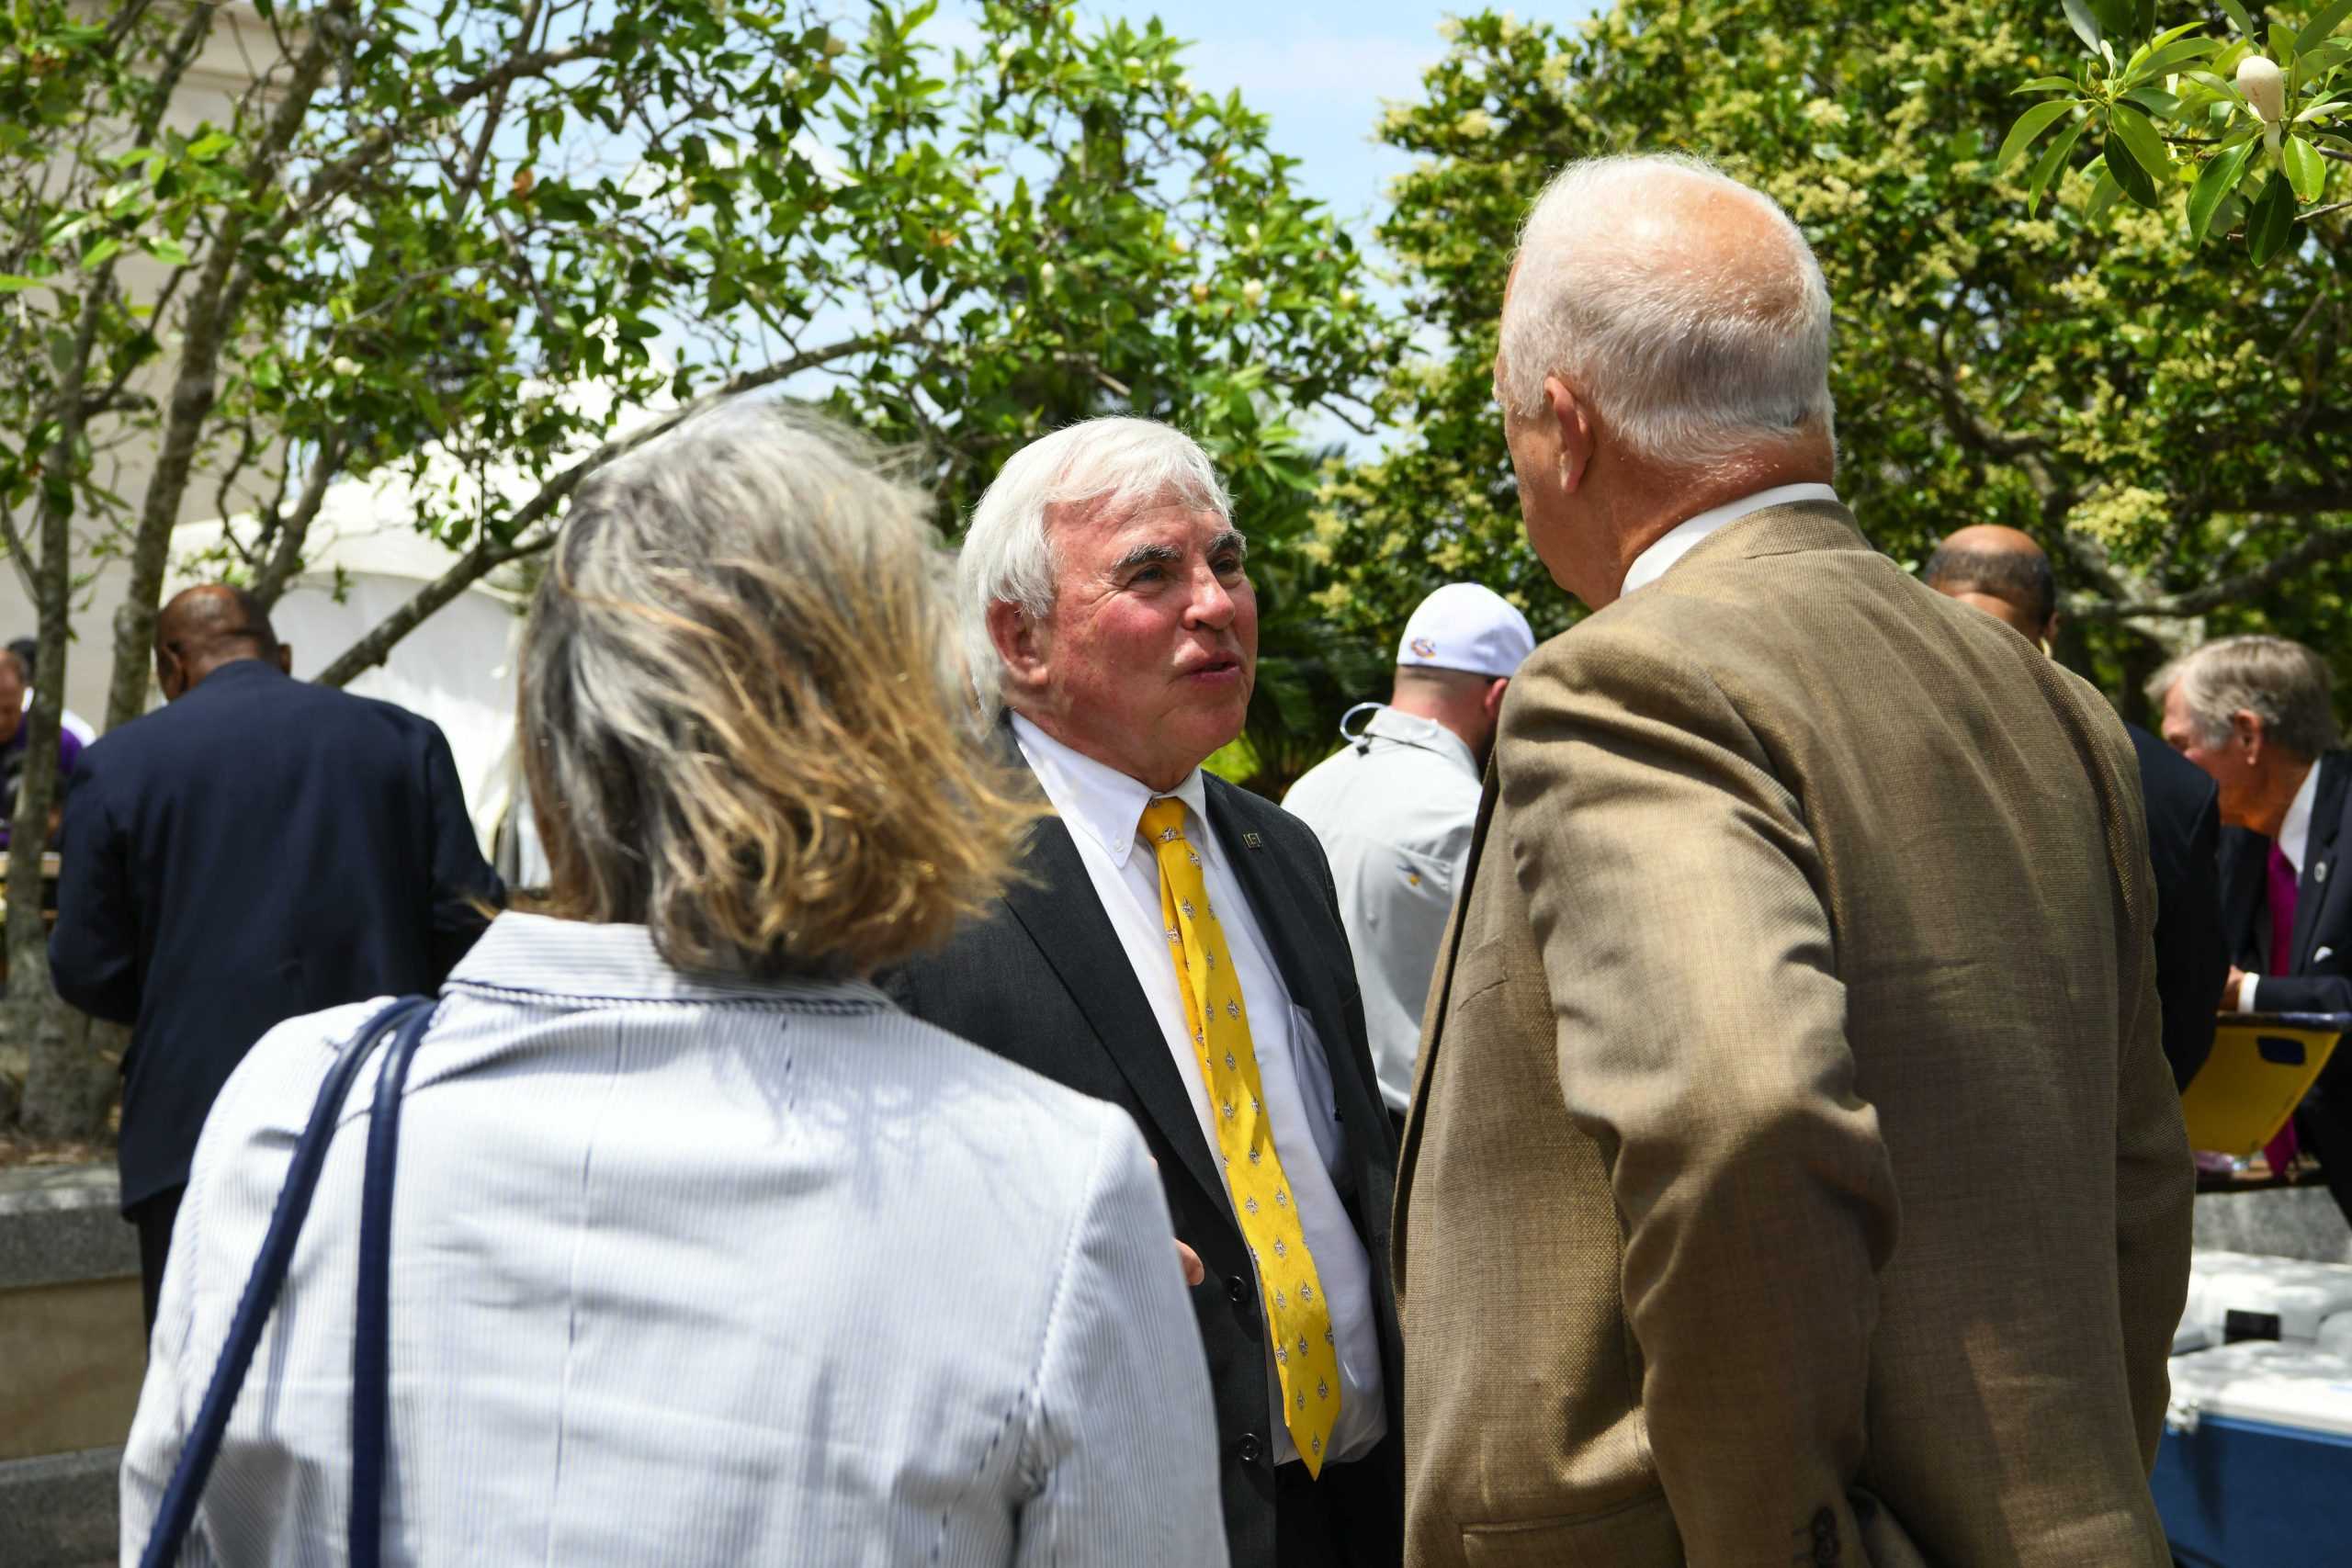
column 1148, row 555
column 1230, row 539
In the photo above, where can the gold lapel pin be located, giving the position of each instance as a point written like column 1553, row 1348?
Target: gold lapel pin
column 1251, row 842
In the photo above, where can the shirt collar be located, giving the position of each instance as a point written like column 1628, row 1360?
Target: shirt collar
column 1095, row 798
column 1427, row 734
column 1677, row 542
column 2295, row 831
column 574, row 961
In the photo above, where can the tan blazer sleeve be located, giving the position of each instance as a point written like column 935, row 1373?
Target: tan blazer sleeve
column 1676, row 897
column 2155, row 1175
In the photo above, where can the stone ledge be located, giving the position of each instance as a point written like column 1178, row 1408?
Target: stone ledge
column 63, row 1225
column 60, row 1511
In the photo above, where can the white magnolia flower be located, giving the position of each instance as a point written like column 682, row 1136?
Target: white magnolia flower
column 1251, row 292
column 2265, row 86
column 344, row 365
column 1046, row 275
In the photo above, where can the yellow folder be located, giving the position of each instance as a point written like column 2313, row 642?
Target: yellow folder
column 2261, row 1066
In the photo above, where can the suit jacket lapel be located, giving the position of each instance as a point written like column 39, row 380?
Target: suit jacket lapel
column 1272, row 886
column 2318, row 855
column 1056, row 904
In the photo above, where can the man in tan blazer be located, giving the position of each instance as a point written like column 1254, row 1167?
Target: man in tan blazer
column 1793, row 1174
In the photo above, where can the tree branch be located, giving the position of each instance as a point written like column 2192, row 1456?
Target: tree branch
column 488, row 555
column 2323, row 545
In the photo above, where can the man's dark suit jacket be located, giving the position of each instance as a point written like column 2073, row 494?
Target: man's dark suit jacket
column 260, row 849
column 1045, row 982
column 2319, row 970
column 2184, row 846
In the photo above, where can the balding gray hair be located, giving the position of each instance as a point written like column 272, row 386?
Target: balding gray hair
column 2281, row 682
column 1689, row 363
column 1118, row 464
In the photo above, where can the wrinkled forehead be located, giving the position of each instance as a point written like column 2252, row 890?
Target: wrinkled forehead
column 1107, row 525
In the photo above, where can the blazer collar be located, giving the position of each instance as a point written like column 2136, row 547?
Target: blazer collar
column 1779, row 531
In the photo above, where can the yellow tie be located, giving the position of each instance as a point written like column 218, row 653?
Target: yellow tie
column 1290, row 1288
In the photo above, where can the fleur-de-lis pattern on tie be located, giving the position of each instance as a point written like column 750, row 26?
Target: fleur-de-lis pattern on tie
column 1288, row 1286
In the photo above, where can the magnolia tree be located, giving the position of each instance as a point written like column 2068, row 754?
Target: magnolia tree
column 487, row 237
column 2238, row 133
column 2175, row 433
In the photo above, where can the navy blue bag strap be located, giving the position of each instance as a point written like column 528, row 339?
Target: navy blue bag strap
column 176, row 1513
column 370, row 1342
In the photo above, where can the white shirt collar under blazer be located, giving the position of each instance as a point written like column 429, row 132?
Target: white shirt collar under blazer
column 1677, row 542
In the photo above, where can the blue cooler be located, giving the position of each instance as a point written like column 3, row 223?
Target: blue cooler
column 2256, row 1470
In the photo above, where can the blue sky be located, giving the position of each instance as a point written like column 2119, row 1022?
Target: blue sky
column 1320, row 68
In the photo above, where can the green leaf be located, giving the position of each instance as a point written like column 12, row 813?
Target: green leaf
column 101, row 250
column 2140, row 140
column 206, row 148
column 2216, row 180
column 2236, row 13
column 2322, row 24
column 2155, row 100
column 2105, row 192
column 2080, row 16
column 2314, row 64
column 2164, row 62
column 2136, row 182
column 2029, row 127
column 164, row 249
column 2046, row 85
column 2115, row 16
column 2282, row 44
column 2270, row 220
column 2053, row 159
column 2305, row 171
column 11, row 283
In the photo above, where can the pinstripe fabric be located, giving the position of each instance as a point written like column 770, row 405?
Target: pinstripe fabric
column 695, row 1271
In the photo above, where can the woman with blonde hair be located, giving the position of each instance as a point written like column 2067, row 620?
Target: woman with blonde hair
column 701, row 1252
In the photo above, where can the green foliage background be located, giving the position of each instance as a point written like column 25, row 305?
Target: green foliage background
column 2167, row 421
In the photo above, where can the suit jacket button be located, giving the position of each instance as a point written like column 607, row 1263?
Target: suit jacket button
column 1237, row 1290
column 1248, row 1450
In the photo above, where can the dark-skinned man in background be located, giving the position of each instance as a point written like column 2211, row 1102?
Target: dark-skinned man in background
column 257, row 849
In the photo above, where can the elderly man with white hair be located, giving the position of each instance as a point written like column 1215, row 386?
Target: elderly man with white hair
column 1176, row 950
column 1793, row 1173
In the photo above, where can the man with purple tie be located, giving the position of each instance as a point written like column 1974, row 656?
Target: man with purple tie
column 2256, row 713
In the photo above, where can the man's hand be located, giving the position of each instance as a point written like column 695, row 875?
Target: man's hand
column 2233, row 988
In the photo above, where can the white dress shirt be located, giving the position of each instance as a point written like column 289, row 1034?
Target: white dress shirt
column 693, row 1271
column 1395, row 811
column 2294, row 841
column 1104, row 809
column 1677, row 542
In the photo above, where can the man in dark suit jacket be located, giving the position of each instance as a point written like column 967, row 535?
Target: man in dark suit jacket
column 2256, row 714
column 1106, row 608
column 258, row 849
column 2004, row 573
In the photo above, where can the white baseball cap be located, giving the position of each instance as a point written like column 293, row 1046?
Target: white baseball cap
column 1464, row 626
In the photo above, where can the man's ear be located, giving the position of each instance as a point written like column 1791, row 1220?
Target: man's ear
column 2247, row 736
column 1020, row 642
column 1491, row 705
column 1572, row 419
column 286, row 659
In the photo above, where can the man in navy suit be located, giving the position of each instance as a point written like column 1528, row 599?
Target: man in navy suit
column 2257, row 714
column 257, row 849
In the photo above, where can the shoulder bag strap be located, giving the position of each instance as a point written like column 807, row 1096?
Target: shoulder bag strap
column 178, row 1511
column 370, row 1343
